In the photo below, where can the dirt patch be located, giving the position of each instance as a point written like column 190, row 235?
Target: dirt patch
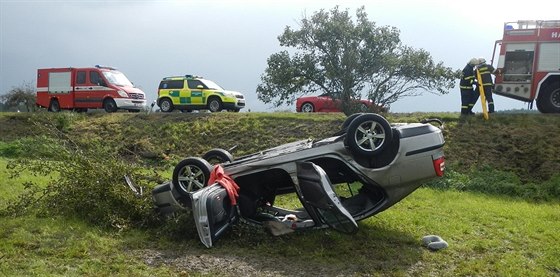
column 190, row 262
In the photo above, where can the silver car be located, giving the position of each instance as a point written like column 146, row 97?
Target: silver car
column 360, row 171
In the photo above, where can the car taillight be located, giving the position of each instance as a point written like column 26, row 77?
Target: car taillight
column 439, row 166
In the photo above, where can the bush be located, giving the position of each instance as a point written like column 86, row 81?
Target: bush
column 88, row 182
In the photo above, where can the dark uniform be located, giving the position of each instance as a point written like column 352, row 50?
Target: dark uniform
column 467, row 92
column 486, row 71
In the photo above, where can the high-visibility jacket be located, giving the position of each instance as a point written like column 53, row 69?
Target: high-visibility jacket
column 486, row 71
column 467, row 78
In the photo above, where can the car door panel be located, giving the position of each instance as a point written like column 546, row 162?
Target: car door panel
column 213, row 213
column 320, row 200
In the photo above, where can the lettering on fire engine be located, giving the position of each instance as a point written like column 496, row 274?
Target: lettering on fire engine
column 555, row 35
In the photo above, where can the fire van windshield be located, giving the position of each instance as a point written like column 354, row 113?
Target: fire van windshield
column 117, row 78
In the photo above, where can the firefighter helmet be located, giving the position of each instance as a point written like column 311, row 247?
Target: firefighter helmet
column 473, row 61
column 481, row 60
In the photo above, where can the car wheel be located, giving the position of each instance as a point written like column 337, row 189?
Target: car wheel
column 189, row 175
column 166, row 105
column 215, row 105
column 218, row 156
column 307, row 108
column 109, row 105
column 54, row 106
column 368, row 134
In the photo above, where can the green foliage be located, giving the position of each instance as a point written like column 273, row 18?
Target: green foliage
column 89, row 183
column 347, row 60
column 20, row 96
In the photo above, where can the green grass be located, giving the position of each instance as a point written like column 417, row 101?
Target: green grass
column 487, row 236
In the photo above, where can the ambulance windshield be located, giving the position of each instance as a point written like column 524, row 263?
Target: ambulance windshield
column 211, row 85
column 117, row 78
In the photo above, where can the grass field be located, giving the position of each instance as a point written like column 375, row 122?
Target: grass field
column 488, row 234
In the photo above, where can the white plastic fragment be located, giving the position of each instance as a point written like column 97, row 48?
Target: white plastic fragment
column 434, row 242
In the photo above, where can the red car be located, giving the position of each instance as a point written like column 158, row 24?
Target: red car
column 325, row 103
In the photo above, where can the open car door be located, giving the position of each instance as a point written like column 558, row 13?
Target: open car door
column 320, row 200
column 213, row 213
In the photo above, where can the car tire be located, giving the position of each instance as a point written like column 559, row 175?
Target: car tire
column 307, row 107
column 109, row 105
column 346, row 123
column 165, row 105
column 218, row 156
column 215, row 105
column 368, row 134
column 190, row 175
column 54, row 106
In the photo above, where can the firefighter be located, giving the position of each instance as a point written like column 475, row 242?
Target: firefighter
column 466, row 86
column 486, row 71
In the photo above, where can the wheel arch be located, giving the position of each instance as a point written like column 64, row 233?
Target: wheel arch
column 549, row 79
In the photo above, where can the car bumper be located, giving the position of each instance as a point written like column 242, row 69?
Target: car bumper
column 234, row 106
column 130, row 104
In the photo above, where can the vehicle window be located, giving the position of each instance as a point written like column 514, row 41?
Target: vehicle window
column 518, row 66
column 172, row 84
column 81, row 77
column 193, row 84
column 117, row 78
column 95, row 78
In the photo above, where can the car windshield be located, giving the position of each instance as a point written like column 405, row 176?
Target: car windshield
column 211, row 85
column 117, row 78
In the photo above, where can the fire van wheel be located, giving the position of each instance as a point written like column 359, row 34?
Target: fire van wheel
column 191, row 174
column 214, row 105
column 218, row 156
column 549, row 99
column 109, row 105
column 368, row 134
column 166, row 105
column 54, row 106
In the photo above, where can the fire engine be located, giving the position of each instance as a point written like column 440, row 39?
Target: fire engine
column 81, row 89
column 528, row 66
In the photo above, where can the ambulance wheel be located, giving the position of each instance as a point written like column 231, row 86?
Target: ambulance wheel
column 54, row 106
column 218, row 156
column 109, row 105
column 166, row 105
column 214, row 104
column 190, row 175
column 368, row 134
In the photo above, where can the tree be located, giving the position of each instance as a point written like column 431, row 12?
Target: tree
column 347, row 60
column 22, row 95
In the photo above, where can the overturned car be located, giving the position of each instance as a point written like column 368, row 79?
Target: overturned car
column 365, row 168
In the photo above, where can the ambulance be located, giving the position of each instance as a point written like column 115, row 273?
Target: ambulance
column 80, row 89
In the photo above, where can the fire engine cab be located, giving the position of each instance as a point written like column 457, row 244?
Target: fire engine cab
column 529, row 63
column 81, row 89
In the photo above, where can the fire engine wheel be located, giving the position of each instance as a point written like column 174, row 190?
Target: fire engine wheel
column 549, row 99
column 368, row 134
column 214, row 105
column 307, row 108
column 109, row 105
column 191, row 174
column 54, row 106
column 166, row 105
column 218, row 156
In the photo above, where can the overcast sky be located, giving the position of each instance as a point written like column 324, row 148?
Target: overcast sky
column 229, row 41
